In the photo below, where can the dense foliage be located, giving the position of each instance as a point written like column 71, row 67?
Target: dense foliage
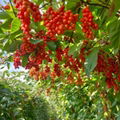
column 71, row 47
column 21, row 100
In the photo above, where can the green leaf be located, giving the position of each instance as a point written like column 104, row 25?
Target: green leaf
column 25, row 60
column 36, row 26
column 6, row 44
column 10, row 58
column 38, row 2
column 4, row 15
column 52, row 45
column 15, row 34
column 71, row 5
column 14, row 46
column 8, row 65
column 74, row 50
column 11, row 46
column 2, row 35
column 117, row 5
column 91, row 61
column 114, row 31
column 35, row 41
column 6, row 24
column 15, row 25
column 1, row 31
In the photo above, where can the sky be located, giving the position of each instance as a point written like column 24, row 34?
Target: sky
column 2, row 1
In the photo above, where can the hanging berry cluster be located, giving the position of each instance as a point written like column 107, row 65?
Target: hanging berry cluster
column 25, row 10
column 56, row 71
column 110, row 68
column 38, row 51
column 25, row 48
column 88, row 25
column 58, row 21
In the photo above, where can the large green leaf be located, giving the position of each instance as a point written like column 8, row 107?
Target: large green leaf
column 15, row 34
column 117, row 5
column 71, row 4
column 15, row 25
column 4, row 15
column 114, row 33
column 91, row 61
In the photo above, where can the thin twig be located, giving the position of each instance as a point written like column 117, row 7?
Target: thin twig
column 63, row 1
column 44, row 5
column 94, row 4
column 12, row 7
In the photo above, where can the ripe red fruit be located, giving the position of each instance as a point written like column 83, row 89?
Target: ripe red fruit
column 26, row 9
column 58, row 21
column 88, row 25
column 6, row 7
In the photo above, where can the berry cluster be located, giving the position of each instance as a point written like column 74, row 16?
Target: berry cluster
column 26, row 48
column 70, row 62
column 16, row 59
column 110, row 68
column 39, row 55
column 36, row 52
column 70, row 78
column 87, row 23
column 42, row 35
column 57, row 70
column 34, row 73
column 79, row 80
column 39, row 74
column 58, row 21
column 59, row 53
column 25, row 9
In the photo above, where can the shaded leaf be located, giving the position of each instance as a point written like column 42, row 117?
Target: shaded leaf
column 52, row 45
column 35, row 41
column 114, row 31
column 4, row 15
column 91, row 61
column 15, row 34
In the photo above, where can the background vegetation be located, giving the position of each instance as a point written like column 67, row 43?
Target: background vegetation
column 68, row 55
